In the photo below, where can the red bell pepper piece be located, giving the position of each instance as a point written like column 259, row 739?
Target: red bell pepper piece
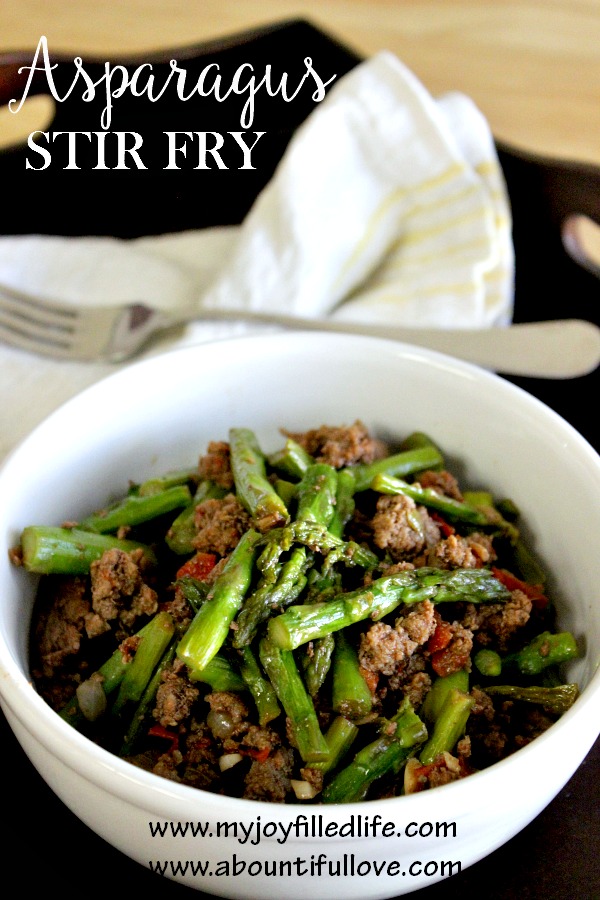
column 440, row 638
column 198, row 566
column 259, row 755
column 160, row 731
column 445, row 527
column 533, row 591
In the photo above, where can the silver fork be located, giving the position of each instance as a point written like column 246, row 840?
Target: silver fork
column 565, row 348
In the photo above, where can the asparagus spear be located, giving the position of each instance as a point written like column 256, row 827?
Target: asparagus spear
column 147, row 656
column 527, row 564
column 344, row 502
column 455, row 509
column 193, row 590
column 320, row 540
column 253, row 489
column 316, row 494
column 340, row 736
column 439, row 690
column 299, row 624
column 220, row 674
column 317, row 664
column 317, row 503
column 484, row 501
column 351, row 696
column 292, row 459
column 145, row 703
column 398, row 739
column 407, row 462
column 259, row 605
column 316, row 506
column 261, row 688
column 210, row 626
column 168, row 480
column 419, row 439
column 286, row 490
column 545, row 650
column 49, row 550
column 137, row 508
column 268, row 562
column 557, row 699
column 322, row 585
column 449, row 725
column 282, row 671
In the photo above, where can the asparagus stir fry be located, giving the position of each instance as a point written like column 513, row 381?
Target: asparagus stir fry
column 333, row 621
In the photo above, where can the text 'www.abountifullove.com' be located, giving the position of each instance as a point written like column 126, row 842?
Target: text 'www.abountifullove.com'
column 316, row 865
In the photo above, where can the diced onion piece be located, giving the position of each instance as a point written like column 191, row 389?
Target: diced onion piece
column 228, row 760
column 411, row 781
column 221, row 724
column 303, row 790
column 452, row 763
column 91, row 699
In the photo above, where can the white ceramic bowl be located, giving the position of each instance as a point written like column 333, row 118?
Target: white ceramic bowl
column 159, row 414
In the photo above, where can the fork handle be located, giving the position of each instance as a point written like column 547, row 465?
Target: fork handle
column 565, row 348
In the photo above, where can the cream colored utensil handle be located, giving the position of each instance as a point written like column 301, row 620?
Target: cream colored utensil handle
column 565, row 348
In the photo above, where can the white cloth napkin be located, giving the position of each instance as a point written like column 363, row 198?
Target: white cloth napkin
column 388, row 206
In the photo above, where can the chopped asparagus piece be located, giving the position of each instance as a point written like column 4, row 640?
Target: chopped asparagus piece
column 136, row 509
column 260, row 687
column 299, row 624
column 340, row 736
column 210, row 626
column 282, row 671
column 455, row 509
column 150, row 651
column 545, row 650
column 398, row 740
column 556, row 699
column 220, row 674
column 449, row 725
column 49, row 550
column 351, row 696
column 254, row 490
column 407, row 462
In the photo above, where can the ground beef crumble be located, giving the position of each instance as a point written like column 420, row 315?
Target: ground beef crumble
column 220, row 523
column 497, row 729
column 454, row 551
column 385, row 649
column 340, row 446
column 497, row 623
column 443, row 482
column 215, row 465
column 175, row 696
column 201, row 757
column 398, row 526
column 119, row 592
column 60, row 628
column 269, row 779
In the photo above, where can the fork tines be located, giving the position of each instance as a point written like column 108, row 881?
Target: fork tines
column 32, row 325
